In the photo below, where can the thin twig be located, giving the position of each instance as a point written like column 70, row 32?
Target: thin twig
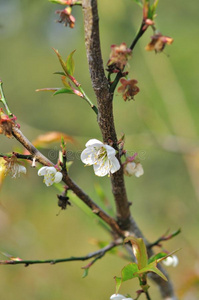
column 163, row 238
column 98, row 254
column 18, row 155
column 140, row 32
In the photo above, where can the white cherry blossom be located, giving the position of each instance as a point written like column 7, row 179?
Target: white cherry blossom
column 51, row 175
column 101, row 156
column 12, row 167
column 171, row 261
column 133, row 168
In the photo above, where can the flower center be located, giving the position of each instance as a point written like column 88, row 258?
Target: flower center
column 101, row 154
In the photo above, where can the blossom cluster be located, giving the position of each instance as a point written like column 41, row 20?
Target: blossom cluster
column 101, row 156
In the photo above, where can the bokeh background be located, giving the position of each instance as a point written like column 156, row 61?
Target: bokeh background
column 161, row 125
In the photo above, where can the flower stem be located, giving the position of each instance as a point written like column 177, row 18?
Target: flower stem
column 85, row 97
column 147, row 296
column 3, row 100
column 140, row 32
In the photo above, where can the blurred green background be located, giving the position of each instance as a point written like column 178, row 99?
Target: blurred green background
column 161, row 125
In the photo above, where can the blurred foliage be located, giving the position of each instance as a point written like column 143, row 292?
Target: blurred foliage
column 161, row 125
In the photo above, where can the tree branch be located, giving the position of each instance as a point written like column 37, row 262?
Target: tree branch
column 98, row 254
column 105, row 107
column 67, row 180
column 106, row 124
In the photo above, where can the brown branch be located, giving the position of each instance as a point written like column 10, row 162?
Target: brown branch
column 104, row 100
column 68, row 181
column 99, row 253
column 106, row 124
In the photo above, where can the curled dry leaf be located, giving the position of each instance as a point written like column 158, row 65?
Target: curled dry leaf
column 44, row 140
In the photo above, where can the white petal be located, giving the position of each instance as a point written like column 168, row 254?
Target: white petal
column 58, row 177
column 117, row 297
column 101, row 169
column 94, row 142
column 48, row 180
column 51, row 170
column 139, row 170
column 22, row 169
column 175, row 260
column 168, row 261
column 115, row 165
column 110, row 150
column 42, row 171
column 87, row 156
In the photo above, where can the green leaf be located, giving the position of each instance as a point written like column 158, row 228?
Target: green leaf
column 85, row 273
column 61, row 61
column 66, row 83
column 59, row 73
column 64, row 91
column 118, row 281
column 152, row 268
column 47, row 90
column 154, row 6
column 176, row 232
column 128, row 272
column 139, row 2
column 156, row 257
column 139, row 250
column 58, row 2
column 169, row 254
column 70, row 64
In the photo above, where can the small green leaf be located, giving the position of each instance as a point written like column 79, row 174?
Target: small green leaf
column 64, row 91
column 157, row 256
column 58, row 2
column 118, row 281
column 152, row 268
column 158, row 272
column 70, row 64
column 61, row 61
column 139, row 2
column 154, row 6
column 60, row 73
column 169, row 254
column 47, row 90
column 85, row 273
column 176, row 232
column 128, row 272
column 139, row 250
column 65, row 82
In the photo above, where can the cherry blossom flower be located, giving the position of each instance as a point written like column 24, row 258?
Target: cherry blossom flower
column 158, row 42
column 101, row 156
column 6, row 124
column 51, row 175
column 133, row 168
column 66, row 17
column 12, row 167
column 128, row 88
column 118, row 57
column 119, row 297
column 171, row 261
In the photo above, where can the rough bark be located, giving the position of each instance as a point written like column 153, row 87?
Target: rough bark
column 106, row 124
